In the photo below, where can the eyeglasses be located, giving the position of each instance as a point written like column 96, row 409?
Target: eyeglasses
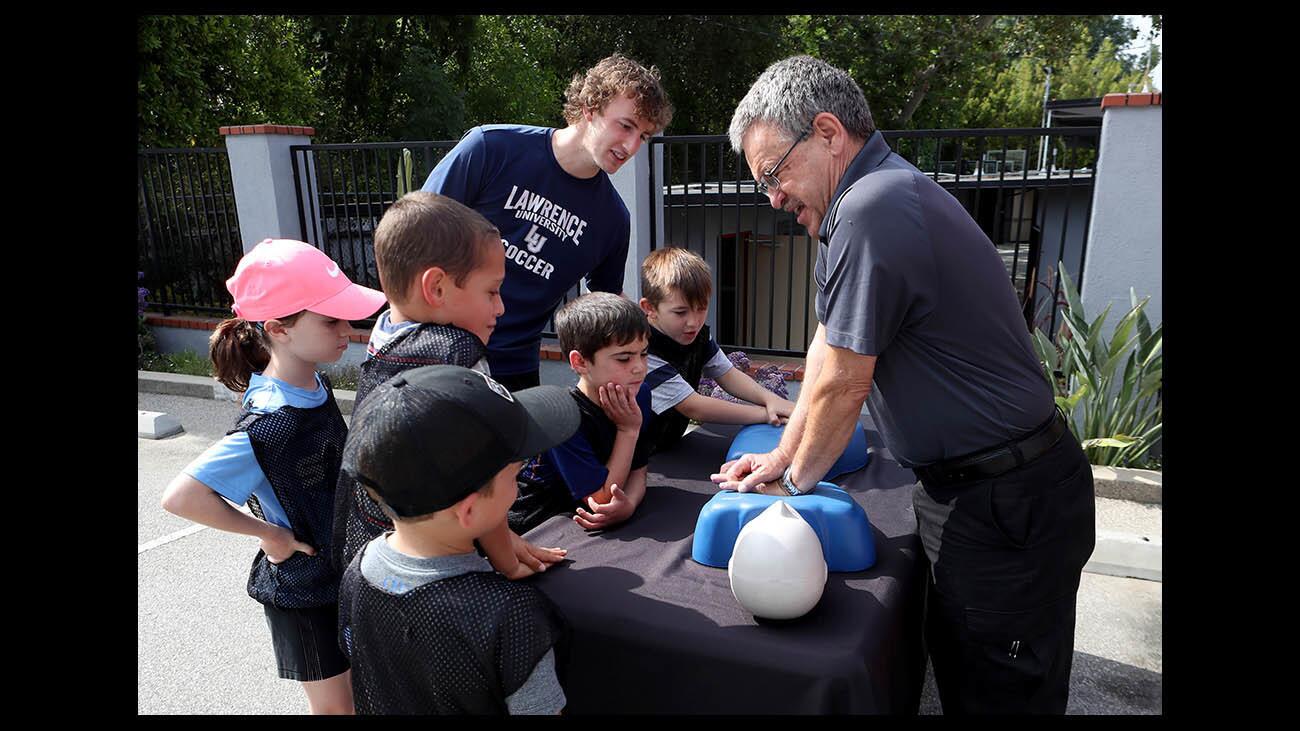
column 768, row 180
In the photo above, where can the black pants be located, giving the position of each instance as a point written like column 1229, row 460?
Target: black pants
column 1006, row 554
column 519, row 381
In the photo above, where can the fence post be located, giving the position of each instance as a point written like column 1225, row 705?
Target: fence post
column 261, row 171
column 633, row 185
column 1124, row 236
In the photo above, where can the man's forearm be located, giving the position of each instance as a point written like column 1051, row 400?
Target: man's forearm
column 832, row 412
column 834, row 405
column 794, row 430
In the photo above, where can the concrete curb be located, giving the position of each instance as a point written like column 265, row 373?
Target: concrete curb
column 1127, row 555
column 1140, row 486
column 177, row 384
column 156, row 425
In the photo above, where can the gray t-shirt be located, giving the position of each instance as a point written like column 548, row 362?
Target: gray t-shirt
column 670, row 388
column 905, row 274
column 392, row 571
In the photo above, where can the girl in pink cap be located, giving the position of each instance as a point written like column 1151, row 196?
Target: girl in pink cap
column 292, row 307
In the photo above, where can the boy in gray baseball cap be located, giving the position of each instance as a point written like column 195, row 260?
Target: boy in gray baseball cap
column 427, row 624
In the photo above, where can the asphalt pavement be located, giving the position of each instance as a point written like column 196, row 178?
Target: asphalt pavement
column 203, row 644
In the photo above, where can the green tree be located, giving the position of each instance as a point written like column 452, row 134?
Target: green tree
column 512, row 74
column 383, row 76
column 918, row 71
column 1085, row 76
column 895, row 59
column 426, row 104
column 357, row 60
column 199, row 73
column 1117, row 30
column 376, row 78
column 1013, row 97
column 933, row 71
column 707, row 62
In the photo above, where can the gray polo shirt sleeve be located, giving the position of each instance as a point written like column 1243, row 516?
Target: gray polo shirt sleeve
column 874, row 271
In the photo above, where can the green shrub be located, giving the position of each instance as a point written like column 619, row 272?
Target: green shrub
column 190, row 363
column 1116, row 414
column 146, row 348
column 344, row 377
column 186, row 362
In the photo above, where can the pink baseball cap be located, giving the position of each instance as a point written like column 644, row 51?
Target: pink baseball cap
column 281, row 276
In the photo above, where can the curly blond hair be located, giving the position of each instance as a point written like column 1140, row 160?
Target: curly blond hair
column 614, row 75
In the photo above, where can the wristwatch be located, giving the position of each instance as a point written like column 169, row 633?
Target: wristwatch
column 788, row 484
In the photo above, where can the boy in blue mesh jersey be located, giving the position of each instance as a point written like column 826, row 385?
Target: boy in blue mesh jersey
column 427, row 625
column 441, row 265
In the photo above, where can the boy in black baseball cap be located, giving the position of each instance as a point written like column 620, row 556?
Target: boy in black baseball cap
column 427, row 624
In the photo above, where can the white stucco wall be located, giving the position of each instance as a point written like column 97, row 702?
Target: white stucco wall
column 262, row 173
column 1124, row 239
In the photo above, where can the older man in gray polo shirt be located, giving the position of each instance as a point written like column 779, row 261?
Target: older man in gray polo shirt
column 918, row 319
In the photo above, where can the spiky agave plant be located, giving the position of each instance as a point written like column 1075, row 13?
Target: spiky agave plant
column 1116, row 414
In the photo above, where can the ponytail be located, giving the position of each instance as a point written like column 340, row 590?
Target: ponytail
column 237, row 349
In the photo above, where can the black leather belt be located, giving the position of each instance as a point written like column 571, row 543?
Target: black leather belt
column 995, row 461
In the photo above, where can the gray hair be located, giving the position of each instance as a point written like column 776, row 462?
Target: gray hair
column 793, row 91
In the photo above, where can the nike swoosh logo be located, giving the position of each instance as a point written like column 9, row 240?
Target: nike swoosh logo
column 333, row 271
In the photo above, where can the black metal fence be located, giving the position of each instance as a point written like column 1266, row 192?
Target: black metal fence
column 344, row 189
column 187, row 240
column 1030, row 190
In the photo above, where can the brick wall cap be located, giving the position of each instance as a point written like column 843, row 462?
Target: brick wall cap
column 268, row 129
column 1131, row 100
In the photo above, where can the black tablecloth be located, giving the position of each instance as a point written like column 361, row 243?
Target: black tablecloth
column 656, row 632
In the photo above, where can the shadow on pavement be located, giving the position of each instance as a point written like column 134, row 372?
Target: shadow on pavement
column 1101, row 686
column 1097, row 687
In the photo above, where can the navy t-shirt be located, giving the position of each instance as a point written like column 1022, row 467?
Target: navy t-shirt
column 556, row 229
column 905, row 274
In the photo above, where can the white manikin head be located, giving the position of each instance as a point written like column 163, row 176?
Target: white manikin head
column 777, row 569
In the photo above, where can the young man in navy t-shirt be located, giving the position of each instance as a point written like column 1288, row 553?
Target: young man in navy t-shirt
column 548, row 191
